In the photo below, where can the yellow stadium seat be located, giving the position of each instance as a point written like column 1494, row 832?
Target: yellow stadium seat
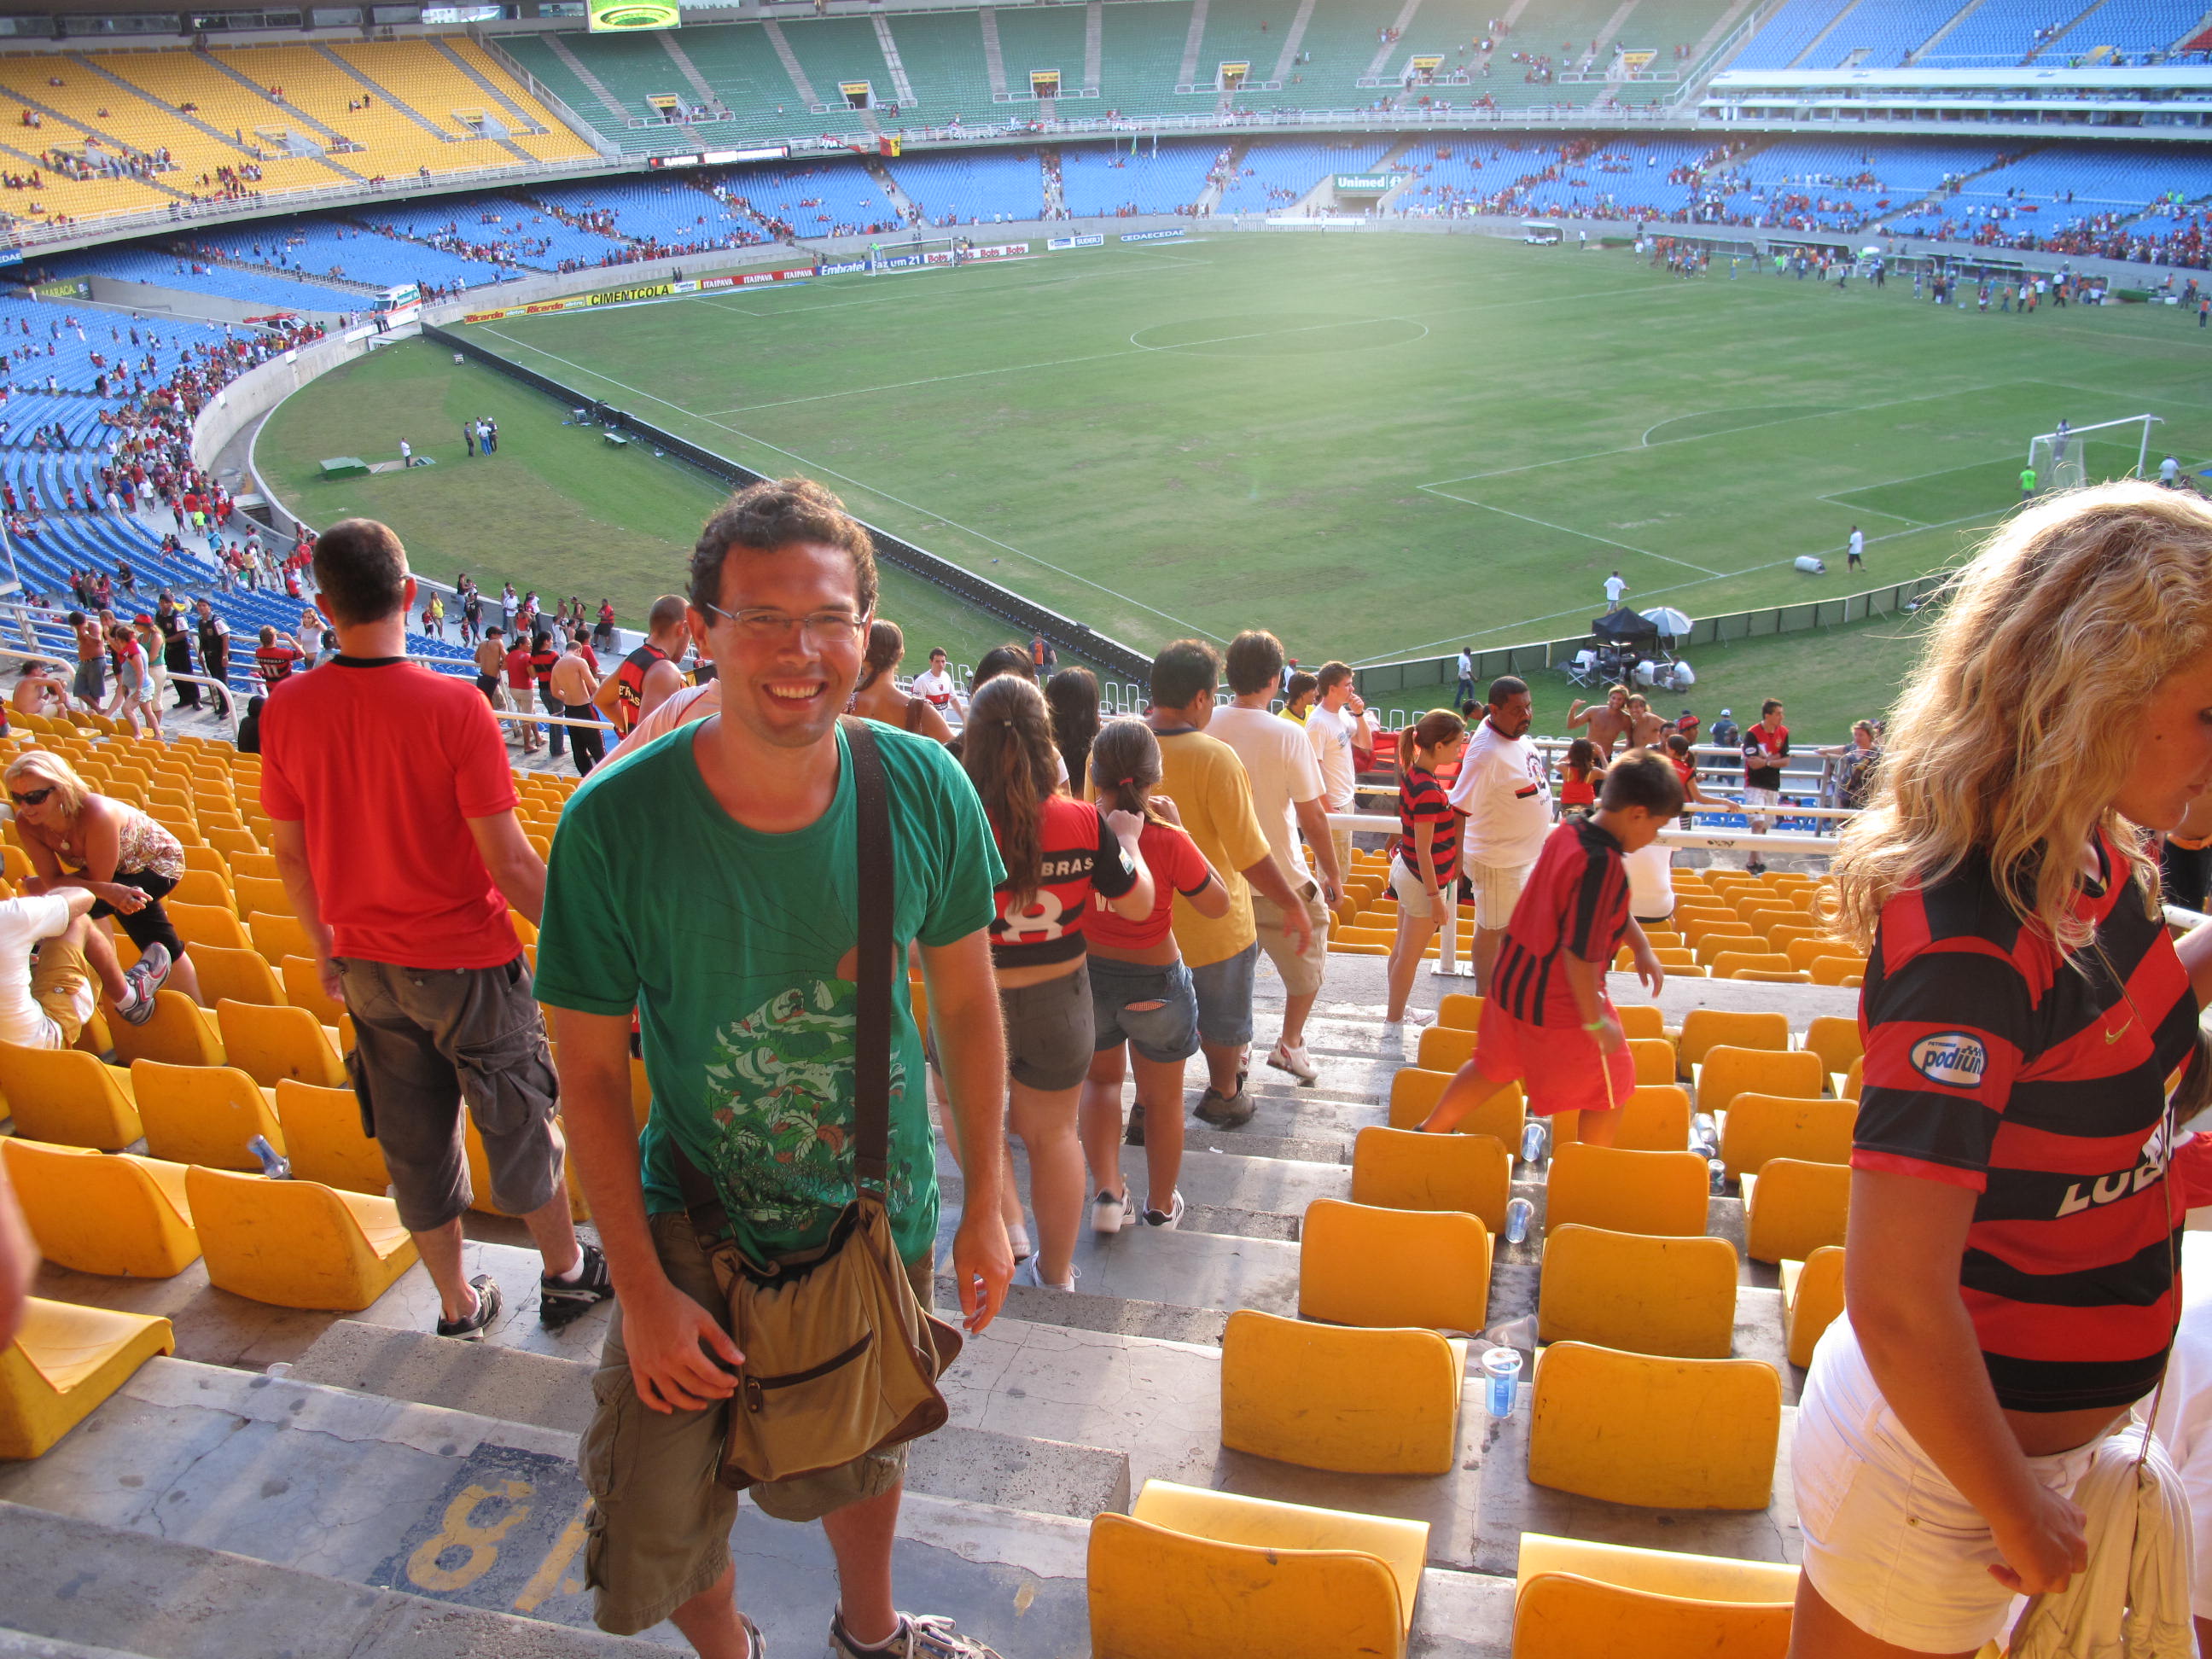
column 211, row 862
column 1413, row 1095
column 203, row 1113
column 323, row 1139
column 1576, row 1599
column 1853, row 1080
column 1641, row 1019
column 255, row 863
column 1358, row 1265
column 1759, row 1128
column 260, row 893
column 1812, row 1298
column 1835, row 1038
column 1804, row 952
column 65, row 1361
column 1460, row 1011
column 1663, row 1194
column 297, row 1243
column 231, row 842
column 180, row 1033
column 98, row 1212
column 1444, row 1048
column 1727, row 1072
column 1656, row 1118
column 1654, row 1058
column 1714, row 943
column 303, row 988
column 1399, row 1169
column 1637, row 1292
column 1771, row 977
column 1324, row 1397
column 1615, row 1426
column 1838, row 970
column 68, row 1097
column 1792, row 1208
column 278, row 937
column 202, row 887
column 1736, row 964
column 271, row 1044
column 1711, row 1027
column 206, row 924
column 1193, row 1574
column 241, row 974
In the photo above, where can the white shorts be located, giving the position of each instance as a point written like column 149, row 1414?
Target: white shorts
column 1755, row 797
column 1890, row 1543
column 1413, row 897
column 1496, row 890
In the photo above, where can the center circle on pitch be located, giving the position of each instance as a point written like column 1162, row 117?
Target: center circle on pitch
column 1277, row 334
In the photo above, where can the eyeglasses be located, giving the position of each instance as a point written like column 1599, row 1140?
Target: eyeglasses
column 29, row 797
column 821, row 626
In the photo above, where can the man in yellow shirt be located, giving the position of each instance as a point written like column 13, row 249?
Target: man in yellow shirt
column 1213, row 797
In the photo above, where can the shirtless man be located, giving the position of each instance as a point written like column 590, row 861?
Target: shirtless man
column 90, row 686
column 1644, row 728
column 573, row 685
column 38, row 691
column 648, row 676
column 1608, row 723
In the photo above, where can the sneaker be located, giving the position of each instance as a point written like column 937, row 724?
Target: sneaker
column 918, row 1638
column 144, row 977
column 1169, row 1217
column 1018, row 1240
column 1111, row 1212
column 1225, row 1111
column 472, row 1330
column 562, row 1300
column 1134, row 1134
column 1297, row 1061
column 755, row 1643
column 1027, row 1274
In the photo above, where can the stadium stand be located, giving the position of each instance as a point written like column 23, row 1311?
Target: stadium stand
column 1789, row 35
column 1275, row 172
column 972, row 186
column 2123, row 31
column 1115, row 182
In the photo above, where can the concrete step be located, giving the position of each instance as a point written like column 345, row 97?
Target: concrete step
column 83, row 1588
column 979, row 1464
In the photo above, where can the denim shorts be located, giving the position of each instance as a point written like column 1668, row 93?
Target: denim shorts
column 1163, row 1035
column 1224, row 998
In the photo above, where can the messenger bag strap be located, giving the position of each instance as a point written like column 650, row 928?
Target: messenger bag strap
column 876, row 900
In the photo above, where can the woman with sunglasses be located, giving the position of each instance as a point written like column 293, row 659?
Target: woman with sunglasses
column 129, row 863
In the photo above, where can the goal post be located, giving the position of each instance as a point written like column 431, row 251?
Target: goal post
column 2061, row 460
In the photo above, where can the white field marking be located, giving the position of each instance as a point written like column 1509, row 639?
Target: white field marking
column 1820, row 414
column 858, row 483
column 1583, row 535
column 1645, row 442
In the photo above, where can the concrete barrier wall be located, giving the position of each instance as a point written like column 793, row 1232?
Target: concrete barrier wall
column 260, row 389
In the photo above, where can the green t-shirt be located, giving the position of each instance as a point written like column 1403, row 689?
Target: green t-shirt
column 727, row 942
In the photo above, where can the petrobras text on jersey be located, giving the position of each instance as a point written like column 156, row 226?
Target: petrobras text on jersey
column 1151, row 235
column 1058, row 243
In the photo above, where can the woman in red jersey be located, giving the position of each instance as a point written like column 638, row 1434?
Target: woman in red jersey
column 2010, row 1263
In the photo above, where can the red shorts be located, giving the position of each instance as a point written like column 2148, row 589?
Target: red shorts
column 1559, row 1068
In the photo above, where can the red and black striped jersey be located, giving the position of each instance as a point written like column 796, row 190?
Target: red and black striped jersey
column 1078, row 855
column 1422, row 800
column 1992, row 1064
column 1576, row 903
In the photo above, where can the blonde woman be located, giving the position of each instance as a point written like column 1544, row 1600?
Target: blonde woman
column 126, row 861
column 2010, row 1270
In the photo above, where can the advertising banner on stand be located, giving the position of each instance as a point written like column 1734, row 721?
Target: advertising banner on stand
column 1059, row 242
column 1152, row 235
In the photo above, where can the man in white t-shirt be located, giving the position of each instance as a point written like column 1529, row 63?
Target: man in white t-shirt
column 46, row 1000
column 1614, row 587
column 1504, row 795
column 1856, row 549
column 934, row 686
column 1340, row 730
column 1286, row 795
column 1463, row 687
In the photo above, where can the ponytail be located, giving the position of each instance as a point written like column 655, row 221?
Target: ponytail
column 886, row 646
column 1007, row 751
column 1125, row 768
column 1433, row 729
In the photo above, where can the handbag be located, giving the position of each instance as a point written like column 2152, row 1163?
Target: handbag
column 841, row 1359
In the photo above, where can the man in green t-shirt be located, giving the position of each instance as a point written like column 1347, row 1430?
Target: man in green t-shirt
column 709, row 883
column 2027, row 484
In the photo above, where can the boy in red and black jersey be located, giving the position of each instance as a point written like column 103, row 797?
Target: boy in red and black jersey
column 2041, row 1089
column 543, row 656
column 1547, row 1023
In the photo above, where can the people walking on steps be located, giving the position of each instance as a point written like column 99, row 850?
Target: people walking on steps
column 1427, row 859
column 1504, row 792
column 1141, row 997
column 1058, row 851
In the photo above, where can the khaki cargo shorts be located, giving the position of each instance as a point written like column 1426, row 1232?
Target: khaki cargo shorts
column 660, row 1525
column 1301, row 970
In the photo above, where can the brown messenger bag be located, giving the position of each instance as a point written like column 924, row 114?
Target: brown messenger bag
column 841, row 1357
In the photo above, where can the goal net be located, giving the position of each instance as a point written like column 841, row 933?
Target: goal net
column 2097, row 454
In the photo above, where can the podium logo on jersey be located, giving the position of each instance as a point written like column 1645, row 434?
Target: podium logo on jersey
column 1954, row 1058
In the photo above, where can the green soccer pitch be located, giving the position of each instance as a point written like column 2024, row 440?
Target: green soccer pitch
column 1379, row 446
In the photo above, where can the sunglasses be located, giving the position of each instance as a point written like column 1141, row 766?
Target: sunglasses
column 29, row 798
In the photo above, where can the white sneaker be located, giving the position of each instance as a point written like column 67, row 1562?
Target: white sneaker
column 1111, row 1212
column 1170, row 1219
column 1027, row 1274
column 1285, row 1058
column 1017, row 1237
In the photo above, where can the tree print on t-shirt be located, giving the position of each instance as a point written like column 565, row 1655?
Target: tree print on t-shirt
column 779, row 1090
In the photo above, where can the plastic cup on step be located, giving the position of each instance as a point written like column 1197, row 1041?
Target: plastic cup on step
column 1501, row 1372
column 1535, row 1141
column 1518, row 1214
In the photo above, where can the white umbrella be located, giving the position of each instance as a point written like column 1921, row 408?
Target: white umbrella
column 1670, row 622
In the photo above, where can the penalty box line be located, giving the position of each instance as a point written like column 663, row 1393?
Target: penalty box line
column 1643, row 552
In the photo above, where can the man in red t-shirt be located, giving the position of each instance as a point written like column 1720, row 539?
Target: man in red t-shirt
column 275, row 657
column 522, row 687
column 1547, row 1023
column 392, row 812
